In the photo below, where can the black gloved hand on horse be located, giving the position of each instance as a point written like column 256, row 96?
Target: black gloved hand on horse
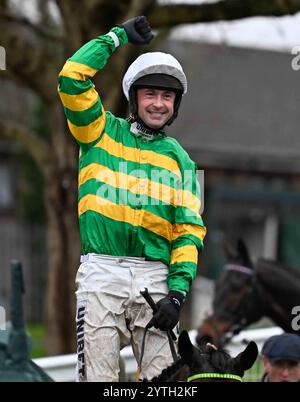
column 168, row 310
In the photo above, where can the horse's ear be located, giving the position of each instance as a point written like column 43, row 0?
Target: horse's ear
column 244, row 253
column 246, row 359
column 228, row 250
column 185, row 348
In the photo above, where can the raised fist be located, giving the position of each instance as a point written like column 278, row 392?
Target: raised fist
column 138, row 30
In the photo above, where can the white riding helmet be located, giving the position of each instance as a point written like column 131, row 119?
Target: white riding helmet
column 154, row 69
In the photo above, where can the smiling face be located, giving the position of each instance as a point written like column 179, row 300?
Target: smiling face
column 155, row 106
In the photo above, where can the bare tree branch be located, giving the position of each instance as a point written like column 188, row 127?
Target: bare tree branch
column 37, row 148
column 34, row 65
column 45, row 34
column 139, row 7
column 174, row 14
column 72, row 22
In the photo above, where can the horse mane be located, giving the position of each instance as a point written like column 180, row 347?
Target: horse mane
column 278, row 265
column 275, row 274
column 219, row 359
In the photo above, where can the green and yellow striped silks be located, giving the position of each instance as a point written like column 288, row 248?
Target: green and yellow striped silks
column 135, row 197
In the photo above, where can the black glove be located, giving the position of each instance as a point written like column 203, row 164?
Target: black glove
column 138, row 30
column 167, row 315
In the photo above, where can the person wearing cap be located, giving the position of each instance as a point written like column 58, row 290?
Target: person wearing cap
column 138, row 206
column 281, row 358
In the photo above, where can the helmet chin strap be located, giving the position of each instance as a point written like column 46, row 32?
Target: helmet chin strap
column 139, row 127
column 145, row 127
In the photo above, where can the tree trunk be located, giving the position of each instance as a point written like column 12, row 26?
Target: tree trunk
column 63, row 239
column 64, row 253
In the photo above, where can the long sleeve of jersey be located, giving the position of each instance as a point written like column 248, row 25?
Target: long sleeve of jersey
column 82, row 104
column 188, row 232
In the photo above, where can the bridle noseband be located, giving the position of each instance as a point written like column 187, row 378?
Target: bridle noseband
column 214, row 375
column 238, row 268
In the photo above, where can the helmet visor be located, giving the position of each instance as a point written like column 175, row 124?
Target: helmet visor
column 159, row 81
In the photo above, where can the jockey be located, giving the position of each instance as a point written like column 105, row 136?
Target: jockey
column 138, row 206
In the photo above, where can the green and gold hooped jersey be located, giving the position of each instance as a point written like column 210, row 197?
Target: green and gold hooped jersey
column 137, row 197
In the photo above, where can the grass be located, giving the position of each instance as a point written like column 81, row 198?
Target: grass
column 255, row 373
column 37, row 333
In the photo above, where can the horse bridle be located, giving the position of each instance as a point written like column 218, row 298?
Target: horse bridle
column 241, row 322
column 206, row 376
column 170, row 334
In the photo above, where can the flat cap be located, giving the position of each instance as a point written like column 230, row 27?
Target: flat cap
column 282, row 347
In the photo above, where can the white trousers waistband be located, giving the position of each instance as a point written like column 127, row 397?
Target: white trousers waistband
column 118, row 259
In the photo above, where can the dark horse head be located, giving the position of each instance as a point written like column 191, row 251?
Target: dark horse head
column 207, row 363
column 244, row 293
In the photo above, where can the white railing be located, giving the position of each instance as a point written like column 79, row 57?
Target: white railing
column 62, row 368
